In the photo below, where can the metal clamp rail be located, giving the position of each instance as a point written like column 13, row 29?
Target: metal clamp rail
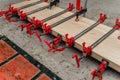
column 87, row 51
column 25, row 6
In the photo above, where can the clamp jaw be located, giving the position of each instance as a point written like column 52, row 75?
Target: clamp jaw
column 100, row 70
column 23, row 15
column 86, row 50
column 102, row 18
column 35, row 22
column 69, row 41
column 71, row 6
column 117, row 25
column 11, row 11
column 53, row 44
column 46, row 28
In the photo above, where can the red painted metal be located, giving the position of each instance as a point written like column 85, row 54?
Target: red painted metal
column 23, row 15
column 117, row 25
column 86, row 50
column 28, row 27
column 77, row 59
column 69, row 41
column 53, row 45
column 102, row 18
column 46, row 28
column 99, row 72
column 35, row 22
column 78, row 5
column 70, row 8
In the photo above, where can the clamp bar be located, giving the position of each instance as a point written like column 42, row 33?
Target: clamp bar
column 67, row 18
column 86, row 30
column 58, row 14
column 117, row 26
column 39, row 9
column 25, row 6
column 103, row 38
column 102, row 18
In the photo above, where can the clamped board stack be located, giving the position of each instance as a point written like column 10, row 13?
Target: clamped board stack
column 87, row 51
column 70, row 41
column 47, row 28
column 36, row 23
column 13, row 9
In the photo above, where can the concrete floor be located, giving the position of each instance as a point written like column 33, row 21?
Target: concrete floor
column 61, row 63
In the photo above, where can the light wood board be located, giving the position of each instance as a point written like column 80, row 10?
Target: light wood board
column 109, row 49
column 31, row 8
column 45, row 13
column 23, row 3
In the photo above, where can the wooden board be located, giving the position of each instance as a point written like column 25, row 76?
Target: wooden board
column 45, row 13
column 23, row 3
column 109, row 49
column 28, row 9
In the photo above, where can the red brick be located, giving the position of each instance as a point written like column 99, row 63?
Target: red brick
column 19, row 69
column 44, row 77
column 5, row 51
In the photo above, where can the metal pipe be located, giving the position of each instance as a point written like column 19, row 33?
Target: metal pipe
column 39, row 9
column 55, row 15
column 25, row 6
column 67, row 18
column 86, row 30
column 103, row 38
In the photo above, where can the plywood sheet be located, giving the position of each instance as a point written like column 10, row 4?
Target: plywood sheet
column 23, row 3
column 28, row 9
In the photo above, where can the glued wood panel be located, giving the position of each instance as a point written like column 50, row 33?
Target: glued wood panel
column 28, row 9
column 23, row 3
column 45, row 13
column 110, row 49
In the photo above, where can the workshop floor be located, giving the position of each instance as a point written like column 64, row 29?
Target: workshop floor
column 61, row 63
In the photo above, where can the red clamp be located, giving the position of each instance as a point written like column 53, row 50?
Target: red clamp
column 23, row 15
column 13, row 9
column 70, row 8
column 78, row 5
column 28, row 26
column 69, row 41
column 46, row 28
column 86, row 50
column 6, row 13
column 77, row 59
column 100, row 70
column 36, row 23
column 53, row 44
column 117, row 24
column 102, row 18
